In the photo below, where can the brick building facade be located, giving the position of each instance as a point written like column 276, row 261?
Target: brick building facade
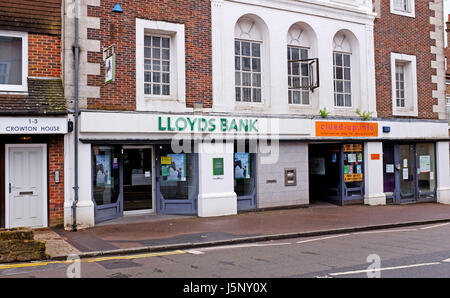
column 396, row 33
column 32, row 114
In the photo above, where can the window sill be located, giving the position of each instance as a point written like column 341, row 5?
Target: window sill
column 407, row 113
column 403, row 13
column 160, row 98
column 9, row 92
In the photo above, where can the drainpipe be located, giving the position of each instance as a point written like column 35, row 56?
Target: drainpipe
column 75, row 188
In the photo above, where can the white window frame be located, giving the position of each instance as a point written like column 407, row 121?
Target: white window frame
column 343, row 80
column 24, row 86
column 177, row 61
column 410, row 68
column 160, row 71
column 300, row 76
column 410, row 12
column 241, row 86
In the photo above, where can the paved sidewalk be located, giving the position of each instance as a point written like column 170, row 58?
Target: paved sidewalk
column 177, row 232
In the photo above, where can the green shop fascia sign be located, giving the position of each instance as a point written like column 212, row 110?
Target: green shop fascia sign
column 201, row 124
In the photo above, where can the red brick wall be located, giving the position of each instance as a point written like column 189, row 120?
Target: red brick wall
column 56, row 190
column 405, row 35
column 118, row 29
column 44, row 55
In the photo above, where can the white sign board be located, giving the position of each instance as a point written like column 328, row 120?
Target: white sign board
column 33, row 125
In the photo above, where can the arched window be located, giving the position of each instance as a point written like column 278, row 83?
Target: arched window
column 299, row 45
column 342, row 52
column 248, row 60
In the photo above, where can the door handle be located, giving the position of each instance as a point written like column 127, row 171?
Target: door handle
column 10, row 188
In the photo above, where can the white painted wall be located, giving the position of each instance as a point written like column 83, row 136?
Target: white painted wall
column 373, row 174
column 325, row 18
column 216, row 193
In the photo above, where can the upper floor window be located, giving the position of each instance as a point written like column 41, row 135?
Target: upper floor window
column 248, row 61
column 13, row 61
column 156, row 65
column 404, row 85
column 400, row 84
column 299, row 76
column 160, row 65
column 403, row 7
column 342, row 71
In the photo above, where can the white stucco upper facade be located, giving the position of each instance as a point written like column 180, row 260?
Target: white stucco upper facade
column 320, row 24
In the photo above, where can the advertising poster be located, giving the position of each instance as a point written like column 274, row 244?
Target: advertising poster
column 358, row 169
column 103, row 170
column 350, row 169
column 241, row 165
column 176, row 170
column 345, row 169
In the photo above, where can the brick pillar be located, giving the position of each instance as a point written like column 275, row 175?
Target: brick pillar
column 56, row 189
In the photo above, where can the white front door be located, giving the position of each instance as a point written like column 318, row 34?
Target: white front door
column 26, row 185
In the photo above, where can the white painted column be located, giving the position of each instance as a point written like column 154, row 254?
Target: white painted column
column 443, row 172
column 373, row 172
column 216, row 193
column 85, row 206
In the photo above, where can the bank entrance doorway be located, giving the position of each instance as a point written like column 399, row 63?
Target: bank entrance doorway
column 138, row 179
column 336, row 173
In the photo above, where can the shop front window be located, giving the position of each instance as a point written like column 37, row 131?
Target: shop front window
column 106, row 183
column 425, row 161
column 178, row 175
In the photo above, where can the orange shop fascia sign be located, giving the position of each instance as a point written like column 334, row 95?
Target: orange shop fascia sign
column 346, row 129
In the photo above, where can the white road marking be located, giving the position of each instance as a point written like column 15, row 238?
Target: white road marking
column 195, row 252
column 323, row 238
column 435, row 226
column 385, row 231
column 383, row 269
column 446, row 260
column 201, row 251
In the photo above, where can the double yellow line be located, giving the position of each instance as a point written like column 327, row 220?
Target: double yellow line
column 93, row 260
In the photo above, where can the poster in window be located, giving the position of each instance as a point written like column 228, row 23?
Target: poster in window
column 360, row 157
column 350, row 169
column 345, row 169
column 176, row 171
column 103, row 170
column 425, row 165
column 405, row 174
column 242, row 166
column 352, row 157
column 358, row 169
column 318, row 166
